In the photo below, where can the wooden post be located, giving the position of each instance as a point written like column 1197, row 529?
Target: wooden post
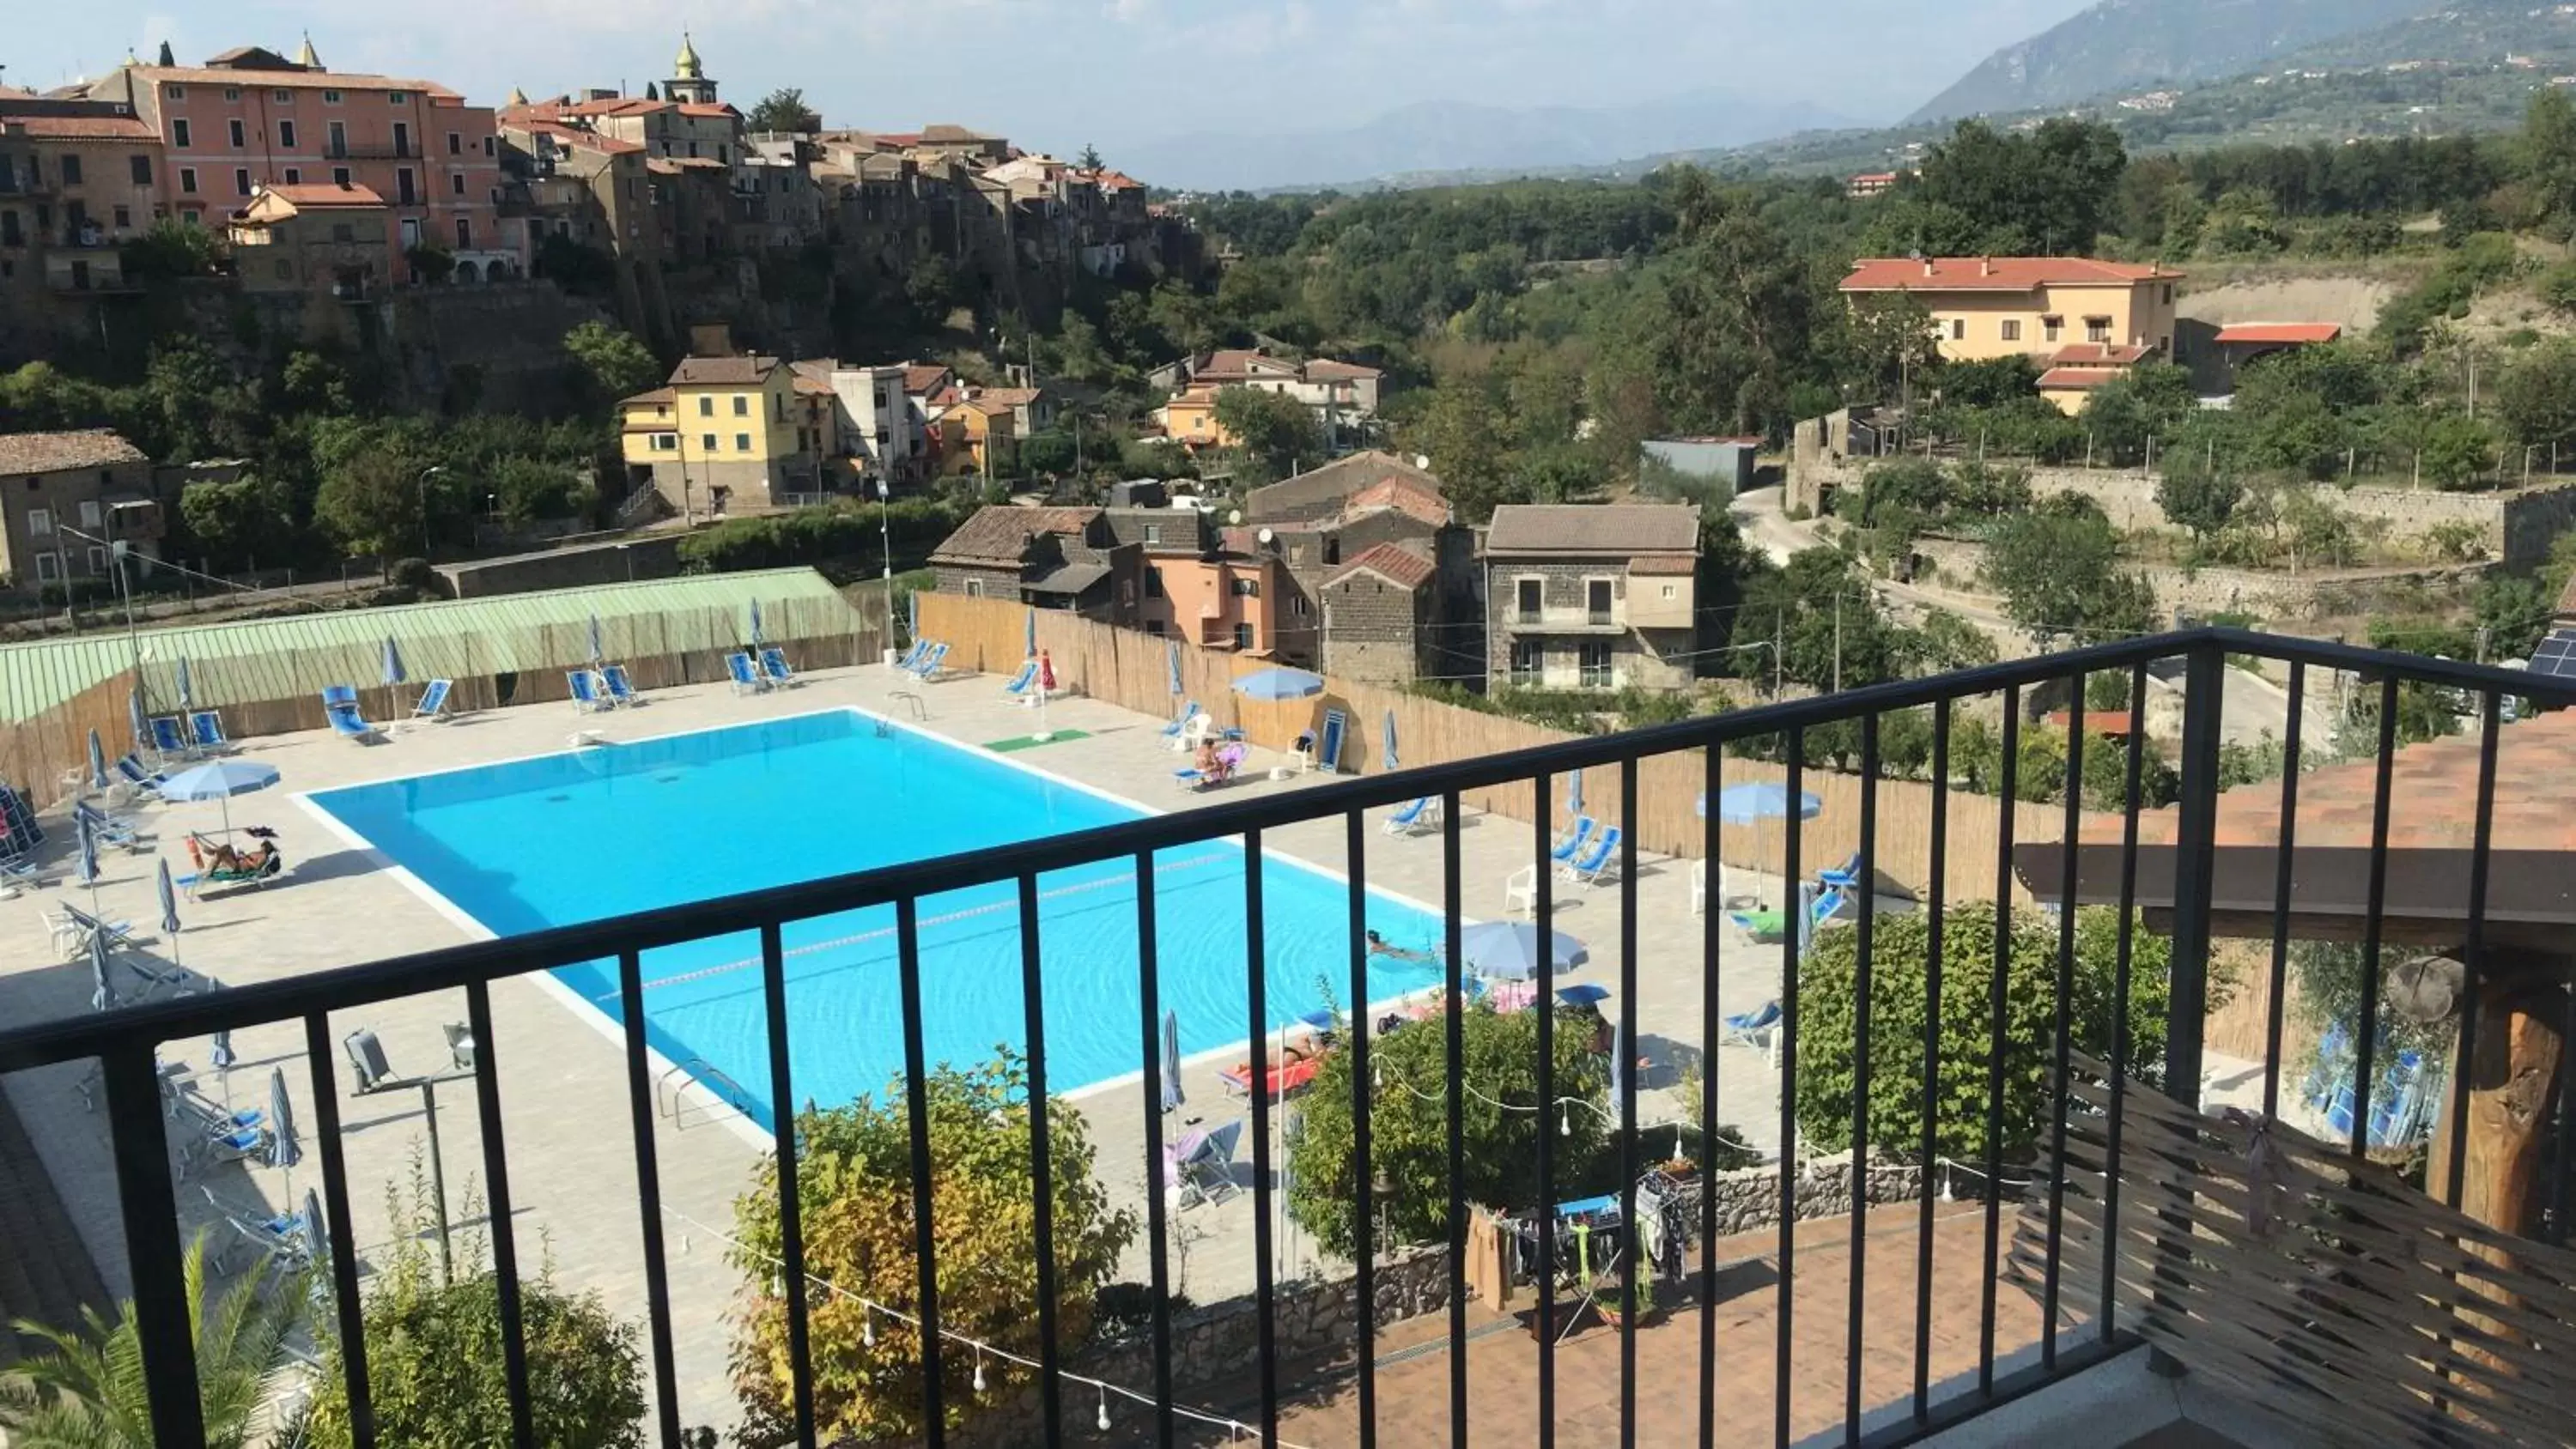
column 2512, row 1084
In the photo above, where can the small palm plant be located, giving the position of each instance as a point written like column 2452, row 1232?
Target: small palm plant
column 86, row 1391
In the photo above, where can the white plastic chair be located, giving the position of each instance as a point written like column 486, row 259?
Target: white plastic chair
column 1520, row 892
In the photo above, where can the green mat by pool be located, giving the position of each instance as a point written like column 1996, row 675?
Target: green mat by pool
column 1031, row 742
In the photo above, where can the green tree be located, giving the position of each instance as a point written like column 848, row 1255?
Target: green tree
column 2047, row 191
column 371, row 503
column 2535, row 394
column 1272, row 427
column 1090, row 160
column 2197, row 498
column 783, row 111
column 1409, row 1125
column 2549, row 151
column 617, row 365
column 1898, row 346
column 1828, row 989
column 435, row 1367
column 1050, row 452
column 854, row 1185
column 2058, row 568
column 238, row 522
column 2458, row 451
column 170, row 249
column 431, row 263
column 530, row 489
column 85, row 1389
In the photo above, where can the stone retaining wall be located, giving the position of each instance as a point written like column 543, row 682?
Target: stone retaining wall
column 2272, row 597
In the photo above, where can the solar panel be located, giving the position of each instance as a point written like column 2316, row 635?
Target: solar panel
column 2556, row 655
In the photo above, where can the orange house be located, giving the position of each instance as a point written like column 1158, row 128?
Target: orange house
column 1219, row 600
column 1190, row 420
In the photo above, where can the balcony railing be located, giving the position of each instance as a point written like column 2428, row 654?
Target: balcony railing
column 2078, row 1324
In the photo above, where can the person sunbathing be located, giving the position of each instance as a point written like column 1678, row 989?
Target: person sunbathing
column 224, row 860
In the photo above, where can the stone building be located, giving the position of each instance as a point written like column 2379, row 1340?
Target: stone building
column 1049, row 558
column 1592, row 596
column 66, row 501
column 1323, row 519
column 1382, row 618
column 1196, row 586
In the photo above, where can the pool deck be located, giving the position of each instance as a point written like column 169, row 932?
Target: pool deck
column 561, row 1068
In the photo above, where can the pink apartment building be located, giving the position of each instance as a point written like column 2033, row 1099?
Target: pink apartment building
column 250, row 118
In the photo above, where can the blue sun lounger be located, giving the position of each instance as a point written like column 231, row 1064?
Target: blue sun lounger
column 773, row 665
column 1024, row 681
column 589, row 696
column 170, row 737
column 206, row 727
column 930, row 664
column 746, row 676
column 912, row 656
column 340, row 705
column 107, row 828
column 1599, row 863
column 621, row 690
column 433, row 701
column 1575, row 840
column 139, row 782
column 1423, row 814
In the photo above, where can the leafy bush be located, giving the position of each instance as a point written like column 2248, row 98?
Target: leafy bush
column 434, row 1356
column 855, row 1189
column 1409, row 1125
column 842, row 528
column 1829, row 987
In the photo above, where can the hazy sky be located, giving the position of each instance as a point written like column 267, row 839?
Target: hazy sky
column 1057, row 73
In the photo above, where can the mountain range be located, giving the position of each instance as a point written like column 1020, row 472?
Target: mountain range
column 2130, row 44
column 1446, row 140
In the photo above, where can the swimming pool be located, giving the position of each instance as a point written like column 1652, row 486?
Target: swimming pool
column 580, row 836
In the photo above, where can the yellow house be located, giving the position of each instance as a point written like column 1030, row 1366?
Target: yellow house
column 2074, row 372
column 1190, row 419
column 724, row 431
column 1986, row 307
column 976, row 435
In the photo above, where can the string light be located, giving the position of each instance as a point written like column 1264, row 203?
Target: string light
column 869, row 1308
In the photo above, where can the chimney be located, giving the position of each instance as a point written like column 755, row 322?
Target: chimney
column 1985, row 266
column 1927, row 266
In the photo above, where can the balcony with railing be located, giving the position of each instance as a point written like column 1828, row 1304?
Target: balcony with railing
column 2017, row 1095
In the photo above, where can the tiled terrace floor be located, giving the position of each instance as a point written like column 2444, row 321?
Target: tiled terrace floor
column 562, row 1076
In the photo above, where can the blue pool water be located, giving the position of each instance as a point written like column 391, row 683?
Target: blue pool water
column 603, row 832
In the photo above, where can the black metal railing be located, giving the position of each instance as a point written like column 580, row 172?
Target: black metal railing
column 125, row 1041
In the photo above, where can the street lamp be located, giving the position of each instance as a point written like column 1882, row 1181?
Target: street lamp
column 124, row 591
column 376, row 1074
column 885, row 535
column 425, row 475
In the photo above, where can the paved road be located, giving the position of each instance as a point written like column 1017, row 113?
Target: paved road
column 2252, row 706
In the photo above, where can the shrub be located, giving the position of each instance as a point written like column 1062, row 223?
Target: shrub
column 1409, row 1126
column 1898, row 1000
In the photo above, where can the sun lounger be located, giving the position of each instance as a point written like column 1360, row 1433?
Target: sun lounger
column 136, row 782
column 773, row 666
column 1845, row 875
column 1415, row 819
column 271, row 863
column 621, row 689
column 589, row 696
column 1328, row 749
column 745, row 675
column 912, row 655
column 1206, row 1169
column 107, row 828
column 1597, row 864
column 283, row 1237
column 1229, row 762
column 1770, row 925
column 72, row 927
column 931, row 664
column 1024, row 682
column 1758, row 1029
column 1180, row 725
column 340, row 705
column 433, row 701
column 170, row 737
column 1575, row 839
column 206, row 727
column 1282, row 1080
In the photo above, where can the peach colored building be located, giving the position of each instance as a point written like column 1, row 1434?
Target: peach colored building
column 250, row 118
column 77, row 179
column 1986, row 307
column 1219, row 599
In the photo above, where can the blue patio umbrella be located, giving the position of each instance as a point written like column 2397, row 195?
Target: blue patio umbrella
column 1618, row 1069
column 317, row 1233
column 1172, row 657
column 221, row 780
column 1573, row 793
column 134, row 714
column 1278, row 684
column 187, row 692
column 169, row 910
column 912, row 613
column 97, row 763
column 1587, row 994
column 1762, row 800
column 1510, row 950
column 393, row 663
column 1030, row 646
column 102, row 993
column 1391, row 761
column 755, row 623
column 599, row 652
column 285, row 1149
column 1172, row 1095
column 88, row 834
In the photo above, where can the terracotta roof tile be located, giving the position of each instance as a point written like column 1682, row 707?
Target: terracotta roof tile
column 309, row 80
column 1994, row 274
column 1405, row 495
column 1394, row 562
column 999, row 533
column 52, row 452
column 2280, row 332
column 2077, row 379
column 1664, row 564
column 920, row 378
column 321, row 196
column 1596, row 529
column 722, row 371
column 83, row 128
column 2099, row 354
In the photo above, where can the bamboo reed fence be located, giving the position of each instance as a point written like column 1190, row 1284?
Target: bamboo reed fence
column 1133, row 670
